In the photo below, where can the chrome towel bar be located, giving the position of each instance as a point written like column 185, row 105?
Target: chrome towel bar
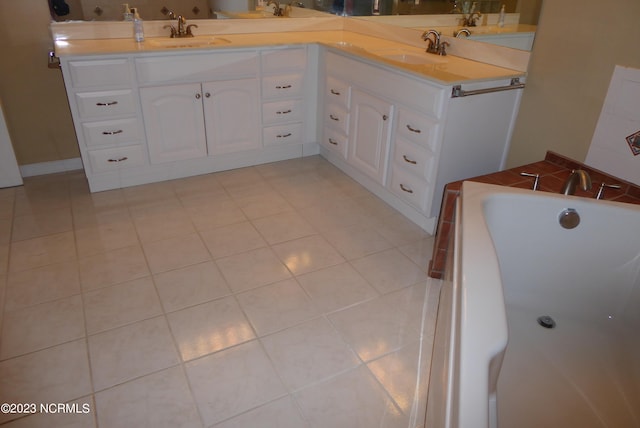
column 458, row 92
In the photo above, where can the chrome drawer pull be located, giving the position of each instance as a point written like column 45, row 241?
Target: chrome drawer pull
column 284, row 136
column 283, row 87
column 334, row 92
column 405, row 189
column 110, row 103
column 406, row 159
column 284, row 112
column 119, row 131
column 332, row 117
column 331, row 141
column 122, row 159
column 417, row 131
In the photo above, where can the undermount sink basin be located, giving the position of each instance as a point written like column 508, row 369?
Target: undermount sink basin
column 187, row 42
column 411, row 57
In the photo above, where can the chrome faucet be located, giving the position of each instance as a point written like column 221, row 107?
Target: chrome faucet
column 434, row 45
column 183, row 29
column 461, row 32
column 276, row 7
column 470, row 21
column 576, row 175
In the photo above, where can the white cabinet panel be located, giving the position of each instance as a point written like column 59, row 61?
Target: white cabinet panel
column 335, row 141
column 282, row 111
column 105, row 103
column 106, row 160
column 97, row 73
column 369, row 134
column 277, row 60
column 288, row 85
column 112, row 132
column 174, row 122
column 290, row 133
column 197, row 67
column 232, row 115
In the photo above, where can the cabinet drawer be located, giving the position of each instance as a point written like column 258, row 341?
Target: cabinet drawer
column 337, row 91
column 284, row 59
column 105, row 160
column 108, row 72
column 200, row 67
column 105, row 104
column 285, row 85
column 283, row 134
column 414, row 159
column 417, row 128
column 337, row 116
column 282, row 111
column 410, row 189
column 335, row 141
column 111, row 132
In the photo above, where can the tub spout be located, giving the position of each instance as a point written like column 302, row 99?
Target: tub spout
column 576, row 175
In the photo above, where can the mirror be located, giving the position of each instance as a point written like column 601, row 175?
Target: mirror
column 111, row 10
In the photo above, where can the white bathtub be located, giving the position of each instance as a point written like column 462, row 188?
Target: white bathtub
column 494, row 364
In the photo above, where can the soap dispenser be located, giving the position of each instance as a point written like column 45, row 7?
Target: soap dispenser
column 501, row 17
column 138, row 29
column 126, row 13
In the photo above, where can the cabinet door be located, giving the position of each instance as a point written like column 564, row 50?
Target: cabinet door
column 174, row 122
column 369, row 133
column 232, row 117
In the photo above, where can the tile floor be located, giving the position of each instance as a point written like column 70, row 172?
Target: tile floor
column 281, row 295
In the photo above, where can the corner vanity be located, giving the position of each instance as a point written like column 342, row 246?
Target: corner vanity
column 396, row 119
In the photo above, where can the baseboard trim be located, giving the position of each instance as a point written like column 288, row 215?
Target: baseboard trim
column 52, row 167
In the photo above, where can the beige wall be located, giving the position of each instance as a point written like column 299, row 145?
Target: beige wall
column 576, row 48
column 33, row 96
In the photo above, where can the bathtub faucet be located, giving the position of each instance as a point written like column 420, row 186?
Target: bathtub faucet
column 576, row 175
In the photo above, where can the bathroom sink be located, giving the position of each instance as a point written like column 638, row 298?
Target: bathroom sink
column 187, row 42
column 410, row 57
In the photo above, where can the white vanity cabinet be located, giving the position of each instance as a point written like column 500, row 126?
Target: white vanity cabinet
column 406, row 136
column 104, row 104
column 283, row 83
column 191, row 120
column 335, row 114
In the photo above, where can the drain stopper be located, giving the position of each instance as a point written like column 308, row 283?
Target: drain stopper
column 546, row 321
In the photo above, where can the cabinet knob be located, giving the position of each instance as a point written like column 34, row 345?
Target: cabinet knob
column 284, row 112
column 207, row 94
column 283, row 87
column 285, row 135
column 119, row 131
column 334, row 92
column 384, row 117
column 198, row 96
column 331, row 141
column 332, row 117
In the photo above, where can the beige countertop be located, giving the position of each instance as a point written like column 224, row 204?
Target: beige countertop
column 445, row 70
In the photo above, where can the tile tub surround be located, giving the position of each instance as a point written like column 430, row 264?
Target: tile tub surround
column 553, row 170
column 234, row 299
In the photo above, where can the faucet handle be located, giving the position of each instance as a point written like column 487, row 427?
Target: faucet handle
column 536, row 182
column 602, row 187
column 173, row 30
column 189, row 31
column 442, row 48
